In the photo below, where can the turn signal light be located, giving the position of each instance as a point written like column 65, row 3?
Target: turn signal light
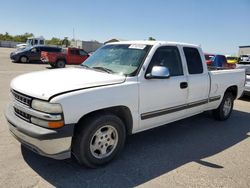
column 55, row 124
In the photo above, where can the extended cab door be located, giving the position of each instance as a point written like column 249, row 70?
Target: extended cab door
column 77, row 56
column 162, row 100
column 73, row 56
column 198, row 80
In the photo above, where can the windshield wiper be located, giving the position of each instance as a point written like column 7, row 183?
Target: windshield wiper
column 104, row 69
column 85, row 66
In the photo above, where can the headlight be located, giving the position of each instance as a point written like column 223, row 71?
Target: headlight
column 47, row 124
column 46, row 106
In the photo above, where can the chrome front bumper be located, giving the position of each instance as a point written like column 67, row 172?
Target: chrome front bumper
column 53, row 143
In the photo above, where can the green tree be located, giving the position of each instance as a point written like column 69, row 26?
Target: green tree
column 151, row 38
column 54, row 41
column 66, row 42
column 15, row 38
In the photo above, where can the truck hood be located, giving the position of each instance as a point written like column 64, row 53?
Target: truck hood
column 44, row 84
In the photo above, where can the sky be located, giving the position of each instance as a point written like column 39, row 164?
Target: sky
column 219, row 26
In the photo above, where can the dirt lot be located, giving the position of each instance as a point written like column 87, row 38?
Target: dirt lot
column 195, row 152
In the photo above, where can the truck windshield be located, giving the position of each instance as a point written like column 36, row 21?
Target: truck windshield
column 122, row 59
column 29, row 42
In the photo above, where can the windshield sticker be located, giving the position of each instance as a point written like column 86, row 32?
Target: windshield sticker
column 137, row 46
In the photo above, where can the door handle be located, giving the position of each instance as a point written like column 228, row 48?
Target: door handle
column 183, row 85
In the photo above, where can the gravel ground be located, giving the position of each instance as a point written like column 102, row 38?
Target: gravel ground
column 195, row 152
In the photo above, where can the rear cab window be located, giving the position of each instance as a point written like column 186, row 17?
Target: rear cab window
column 50, row 49
column 74, row 52
column 193, row 59
column 56, row 49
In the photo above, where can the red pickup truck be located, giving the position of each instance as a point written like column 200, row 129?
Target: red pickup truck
column 67, row 56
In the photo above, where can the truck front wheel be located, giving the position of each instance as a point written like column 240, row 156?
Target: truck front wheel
column 23, row 59
column 224, row 111
column 99, row 140
column 60, row 64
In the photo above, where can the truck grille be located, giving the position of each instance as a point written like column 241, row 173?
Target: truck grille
column 22, row 98
column 22, row 114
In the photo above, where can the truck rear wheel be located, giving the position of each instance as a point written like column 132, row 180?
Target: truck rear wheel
column 224, row 111
column 99, row 140
column 60, row 64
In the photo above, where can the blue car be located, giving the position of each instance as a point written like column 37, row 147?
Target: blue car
column 220, row 62
column 31, row 54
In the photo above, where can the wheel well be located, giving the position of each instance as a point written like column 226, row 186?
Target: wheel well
column 233, row 90
column 61, row 59
column 122, row 112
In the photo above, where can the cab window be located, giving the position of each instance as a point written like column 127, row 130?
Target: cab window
column 74, row 52
column 169, row 57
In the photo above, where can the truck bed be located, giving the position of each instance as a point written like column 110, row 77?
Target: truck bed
column 221, row 79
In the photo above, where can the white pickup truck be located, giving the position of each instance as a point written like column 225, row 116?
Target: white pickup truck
column 122, row 89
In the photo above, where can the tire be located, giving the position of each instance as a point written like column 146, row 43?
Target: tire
column 99, row 140
column 60, row 64
column 52, row 65
column 224, row 111
column 23, row 59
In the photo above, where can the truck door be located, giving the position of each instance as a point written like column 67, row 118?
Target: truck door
column 198, row 80
column 73, row 56
column 83, row 56
column 163, row 100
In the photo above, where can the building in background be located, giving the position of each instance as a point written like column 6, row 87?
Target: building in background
column 244, row 50
column 88, row 46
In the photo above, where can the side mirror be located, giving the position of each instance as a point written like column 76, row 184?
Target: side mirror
column 158, row 72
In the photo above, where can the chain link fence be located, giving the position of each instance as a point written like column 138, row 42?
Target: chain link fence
column 8, row 44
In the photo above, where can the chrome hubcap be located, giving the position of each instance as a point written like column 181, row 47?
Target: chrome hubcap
column 103, row 142
column 23, row 59
column 227, row 106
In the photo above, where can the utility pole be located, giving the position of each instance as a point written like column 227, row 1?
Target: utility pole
column 73, row 33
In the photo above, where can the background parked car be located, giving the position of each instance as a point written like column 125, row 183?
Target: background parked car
column 247, row 85
column 31, row 54
column 244, row 59
column 209, row 58
column 244, row 65
column 67, row 56
column 232, row 59
column 220, row 62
